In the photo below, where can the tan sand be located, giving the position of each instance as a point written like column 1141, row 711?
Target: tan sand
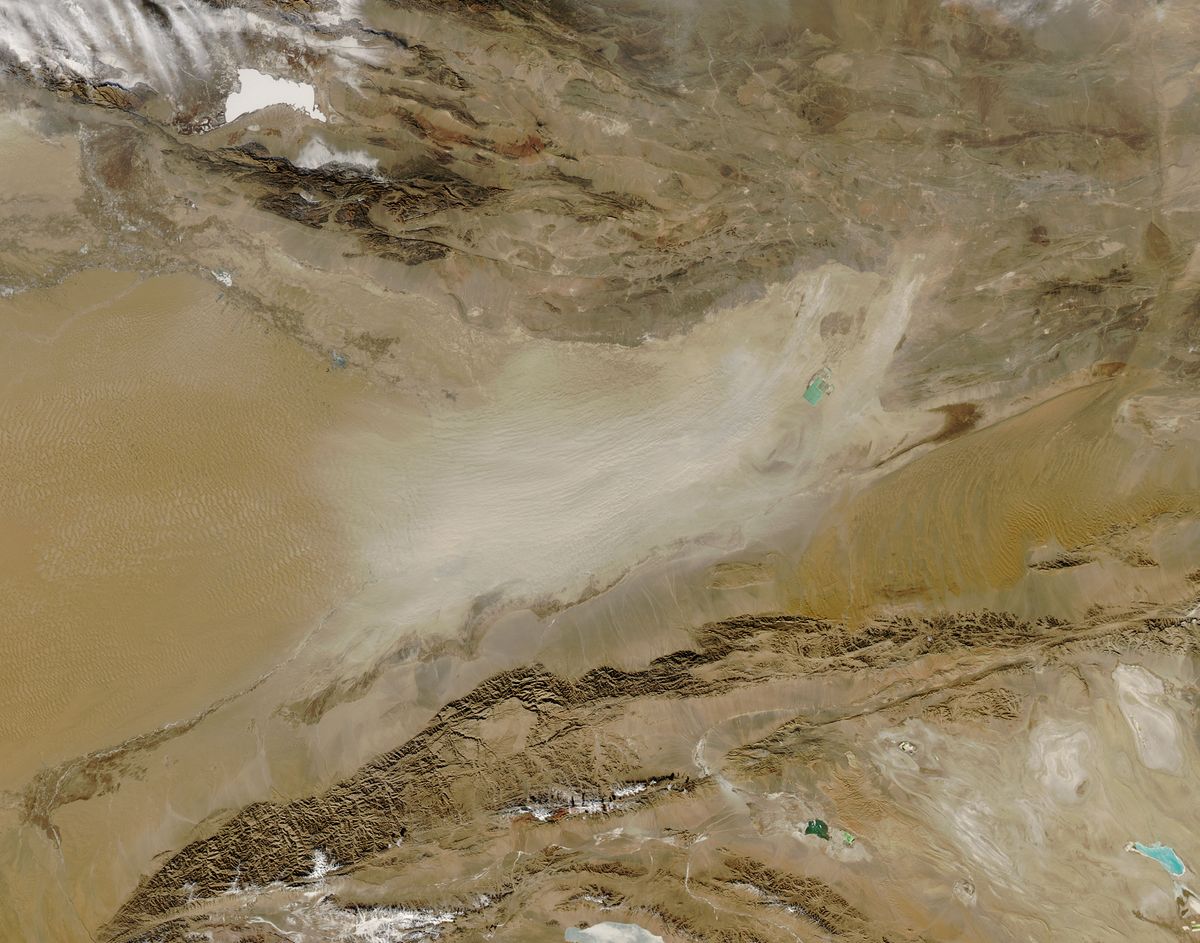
column 161, row 545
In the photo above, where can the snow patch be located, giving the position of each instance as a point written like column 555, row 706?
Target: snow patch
column 257, row 90
column 612, row 933
column 316, row 153
column 397, row 924
column 552, row 808
column 322, row 865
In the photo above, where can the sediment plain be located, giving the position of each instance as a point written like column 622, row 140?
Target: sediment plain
column 479, row 471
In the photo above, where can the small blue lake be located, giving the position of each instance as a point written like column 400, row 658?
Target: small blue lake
column 1161, row 853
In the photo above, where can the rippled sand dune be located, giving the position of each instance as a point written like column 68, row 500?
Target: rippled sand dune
column 165, row 542
column 1076, row 472
column 528, row 471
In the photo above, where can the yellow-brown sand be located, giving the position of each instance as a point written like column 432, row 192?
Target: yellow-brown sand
column 962, row 518
column 160, row 545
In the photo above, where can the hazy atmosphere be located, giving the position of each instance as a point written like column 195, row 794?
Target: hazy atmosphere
column 615, row 472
